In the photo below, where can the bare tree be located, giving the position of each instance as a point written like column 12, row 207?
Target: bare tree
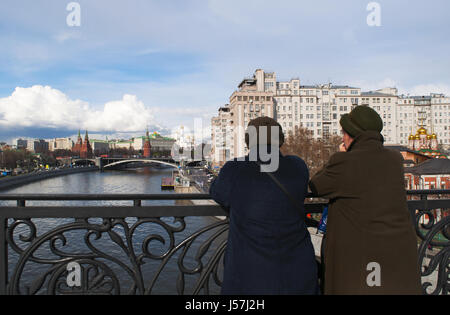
column 314, row 152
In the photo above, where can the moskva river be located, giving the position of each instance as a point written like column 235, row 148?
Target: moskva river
column 150, row 240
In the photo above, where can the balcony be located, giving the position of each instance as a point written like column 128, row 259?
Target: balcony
column 127, row 244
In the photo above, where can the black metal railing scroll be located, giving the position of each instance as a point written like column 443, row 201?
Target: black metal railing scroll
column 133, row 244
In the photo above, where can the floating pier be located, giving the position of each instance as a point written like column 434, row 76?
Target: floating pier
column 167, row 183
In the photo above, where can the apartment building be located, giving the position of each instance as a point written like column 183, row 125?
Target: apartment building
column 431, row 112
column 253, row 99
column 320, row 107
column 60, row 144
column 317, row 108
column 384, row 102
column 37, row 146
column 222, row 136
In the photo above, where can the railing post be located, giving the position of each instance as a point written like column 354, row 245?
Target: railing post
column 137, row 203
column 21, row 203
column 4, row 256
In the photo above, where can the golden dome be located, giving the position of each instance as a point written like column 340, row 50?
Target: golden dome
column 411, row 137
column 433, row 136
column 417, row 137
column 422, row 131
column 428, row 137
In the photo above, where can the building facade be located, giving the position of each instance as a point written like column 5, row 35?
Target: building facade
column 21, row 144
column 100, row 147
column 431, row 174
column 37, row 146
column 222, row 136
column 60, row 144
column 319, row 108
column 430, row 112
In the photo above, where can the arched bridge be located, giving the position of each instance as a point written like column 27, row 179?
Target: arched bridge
column 145, row 161
column 108, row 162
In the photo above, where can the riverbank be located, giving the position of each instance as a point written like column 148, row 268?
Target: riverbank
column 15, row 181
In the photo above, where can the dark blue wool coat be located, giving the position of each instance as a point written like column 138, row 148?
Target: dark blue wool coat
column 269, row 247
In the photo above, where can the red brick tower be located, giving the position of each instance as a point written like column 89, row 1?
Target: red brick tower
column 147, row 146
column 76, row 149
column 86, row 149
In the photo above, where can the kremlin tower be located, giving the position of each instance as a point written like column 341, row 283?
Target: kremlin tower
column 77, row 147
column 83, row 149
column 86, row 149
column 147, row 146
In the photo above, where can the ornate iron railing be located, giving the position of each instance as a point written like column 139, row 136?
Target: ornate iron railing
column 124, row 244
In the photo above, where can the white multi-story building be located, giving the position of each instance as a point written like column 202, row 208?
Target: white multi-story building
column 60, row 144
column 319, row 109
column 253, row 99
column 431, row 112
column 222, row 135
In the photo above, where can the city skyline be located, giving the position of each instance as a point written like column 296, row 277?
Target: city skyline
column 162, row 65
column 318, row 108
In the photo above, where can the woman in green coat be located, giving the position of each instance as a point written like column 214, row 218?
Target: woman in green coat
column 371, row 246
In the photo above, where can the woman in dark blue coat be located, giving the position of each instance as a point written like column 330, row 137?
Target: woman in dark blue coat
column 269, row 248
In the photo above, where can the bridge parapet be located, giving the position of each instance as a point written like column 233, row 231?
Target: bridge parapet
column 131, row 246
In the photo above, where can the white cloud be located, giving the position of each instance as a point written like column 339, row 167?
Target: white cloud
column 44, row 106
column 426, row 89
column 66, row 35
column 374, row 85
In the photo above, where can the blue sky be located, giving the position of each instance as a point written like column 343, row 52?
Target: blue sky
column 182, row 59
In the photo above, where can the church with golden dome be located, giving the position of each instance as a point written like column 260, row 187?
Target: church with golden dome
column 425, row 143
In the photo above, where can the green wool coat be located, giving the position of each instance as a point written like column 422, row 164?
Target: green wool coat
column 368, row 221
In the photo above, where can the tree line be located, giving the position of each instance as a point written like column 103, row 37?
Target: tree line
column 315, row 152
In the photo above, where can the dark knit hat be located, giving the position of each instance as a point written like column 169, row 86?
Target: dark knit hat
column 361, row 118
column 264, row 122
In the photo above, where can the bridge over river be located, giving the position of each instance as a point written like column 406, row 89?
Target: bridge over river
column 111, row 162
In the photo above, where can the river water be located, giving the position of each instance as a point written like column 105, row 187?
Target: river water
column 143, row 180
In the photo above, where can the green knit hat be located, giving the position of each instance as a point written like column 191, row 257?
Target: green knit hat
column 361, row 118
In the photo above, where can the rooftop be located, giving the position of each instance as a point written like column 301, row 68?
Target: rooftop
column 405, row 149
column 431, row 167
column 376, row 94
